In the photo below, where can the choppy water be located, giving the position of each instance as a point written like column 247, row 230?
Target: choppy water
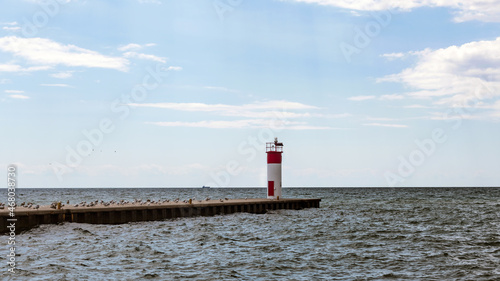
column 357, row 234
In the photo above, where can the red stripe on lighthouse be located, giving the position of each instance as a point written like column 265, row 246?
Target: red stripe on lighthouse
column 273, row 157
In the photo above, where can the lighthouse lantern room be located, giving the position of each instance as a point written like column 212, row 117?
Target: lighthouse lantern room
column 274, row 152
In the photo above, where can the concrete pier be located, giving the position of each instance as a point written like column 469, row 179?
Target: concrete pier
column 116, row 214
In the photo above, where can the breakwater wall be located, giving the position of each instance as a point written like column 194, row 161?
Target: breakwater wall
column 25, row 219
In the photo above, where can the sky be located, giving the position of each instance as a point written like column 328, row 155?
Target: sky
column 153, row 93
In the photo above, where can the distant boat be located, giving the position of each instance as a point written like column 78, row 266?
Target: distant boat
column 205, row 186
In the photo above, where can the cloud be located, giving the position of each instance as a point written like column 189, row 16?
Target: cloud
column 242, row 124
column 12, row 28
column 14, row 91
column 149, row 1
column 134, row 47
column 18, row 68
column 130, row 51
column 482, row 10
column 361, row 98
column 47, row 53
column 379, row 118
column 221, row 89
column 175, row 68
column 416, row 106
column 63, row 75
column 454, row 76
column 56, row 85
column 393, row 56
column 383, row 97
column 144, row 57
column 22, row 97
column 230, row 110
column 386, row 125
column 257, row 114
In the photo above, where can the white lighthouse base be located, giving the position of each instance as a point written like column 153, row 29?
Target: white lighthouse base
column 273, row 181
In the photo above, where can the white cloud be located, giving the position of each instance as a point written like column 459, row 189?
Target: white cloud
column 48, row 53
column 63, row 75
column 379, row 119
column 416, row 106
column 386, row 125
column 14, row 91
column 129, row 47
column 222, row 89
column 456, row 75
column 149, row 1
column 18, row 68
column 22, row 97
column 242, row 124
column 392, row 97
column 56, row 85
column 12, row 28
column 257, row 114
column 237, row 124
column 482, row 10
column 383, row 97
column 130, row 51
column 229, row 110
column 361, row 98
column 134, row 47
column 174, row 68
column 393, row 56
column 144, row 57
column 5, row 81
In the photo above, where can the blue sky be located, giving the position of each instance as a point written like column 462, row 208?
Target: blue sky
column 150, row 93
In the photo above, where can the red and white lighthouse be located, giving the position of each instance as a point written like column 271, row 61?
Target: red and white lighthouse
column 274, row 152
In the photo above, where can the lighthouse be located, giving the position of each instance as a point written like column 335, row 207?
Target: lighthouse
column 274, row 151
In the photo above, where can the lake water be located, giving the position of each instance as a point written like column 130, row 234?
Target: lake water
column 357, row 234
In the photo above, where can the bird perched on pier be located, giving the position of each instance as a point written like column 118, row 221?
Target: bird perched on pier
column 76, row 205
column 221, row 200
column 36, row 207
column 207, row 199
